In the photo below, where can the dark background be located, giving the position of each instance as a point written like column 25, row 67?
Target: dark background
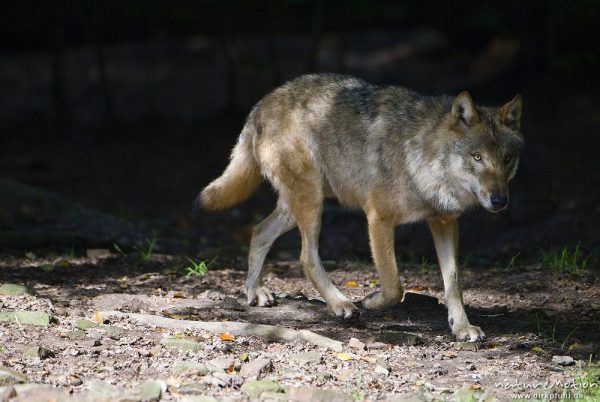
column 115, row 114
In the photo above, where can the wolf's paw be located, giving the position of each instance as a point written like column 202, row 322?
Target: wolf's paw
column 377, row 301
column 344, row 309
column 261, row 297
column 468, row 333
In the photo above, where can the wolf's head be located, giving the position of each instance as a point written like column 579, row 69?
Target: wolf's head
column 486, row 151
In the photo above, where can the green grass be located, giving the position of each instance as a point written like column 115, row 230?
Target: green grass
column 118, row 249
column 572, row 261
column 548, row 331
column 199, row 268
column 146, row 249
column 588, row 380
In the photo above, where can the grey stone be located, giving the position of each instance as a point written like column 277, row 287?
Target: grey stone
column 183, row 344
column 307, row 357
column 11, row 289
column 356, row 344
column 76, row 334
column 86, row 324
column 256, row 388
column 219, row 365
column 408, row 397
column 199, row 398
column 102, row 390
column 27, row 317
column 182, row 367
column 563, row 360
column 273, row 396
column 255, row 368
column 151, row 391
column 114, row 332
column 470, row 346
column 324, row 375
column 9, row 376
column 309, row 394
column 38, row 352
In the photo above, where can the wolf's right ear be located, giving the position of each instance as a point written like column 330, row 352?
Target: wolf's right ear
column 510, row 114
column 463, row 109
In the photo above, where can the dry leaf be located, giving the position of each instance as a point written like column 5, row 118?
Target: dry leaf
column 418, row 288
column 226, row 336
column 343, row 356
column 178, row 295
column 388, row 318
column 352, row 284
column 537, row 349
column 474, row 387
column 231, row 368
column 97, row 317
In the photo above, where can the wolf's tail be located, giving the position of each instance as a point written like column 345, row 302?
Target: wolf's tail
column 239, row 180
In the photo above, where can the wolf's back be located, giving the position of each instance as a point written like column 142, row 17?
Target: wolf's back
column 239, row 180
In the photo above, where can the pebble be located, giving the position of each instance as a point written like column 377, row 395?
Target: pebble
column 256, row 388
column 356, row 344
column 307, row 357
column 38, row 352
column 255, row 368
column 182, row 343
column 11, row 289
column 310, row 394
column 563, row 360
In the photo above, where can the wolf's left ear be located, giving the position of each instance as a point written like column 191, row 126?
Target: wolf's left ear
column 510, row 114
column 463, row 109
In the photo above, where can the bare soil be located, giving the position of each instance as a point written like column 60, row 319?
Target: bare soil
column 528, row 313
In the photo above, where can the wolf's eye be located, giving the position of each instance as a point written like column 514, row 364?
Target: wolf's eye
column 507, row 159
column 477, row 157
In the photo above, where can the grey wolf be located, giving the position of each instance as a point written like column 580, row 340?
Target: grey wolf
column 399, row 156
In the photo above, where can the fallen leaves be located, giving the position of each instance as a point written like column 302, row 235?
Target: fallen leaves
column 352, row 284
column 227, row 337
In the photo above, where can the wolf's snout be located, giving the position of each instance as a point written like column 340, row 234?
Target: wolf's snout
column 498, row 201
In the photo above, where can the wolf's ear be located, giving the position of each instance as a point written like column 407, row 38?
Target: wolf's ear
column 510, row 114
column 464, row 109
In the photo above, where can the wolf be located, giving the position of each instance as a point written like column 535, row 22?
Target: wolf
column 399, row 156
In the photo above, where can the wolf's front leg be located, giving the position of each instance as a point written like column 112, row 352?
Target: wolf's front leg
column 445, row 237
column 381, row 235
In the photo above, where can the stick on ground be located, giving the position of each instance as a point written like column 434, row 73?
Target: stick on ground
column 271, row 332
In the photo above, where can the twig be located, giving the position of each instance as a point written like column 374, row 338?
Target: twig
column 272, row 332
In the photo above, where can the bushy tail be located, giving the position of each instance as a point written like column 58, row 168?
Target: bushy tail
column 240, row 178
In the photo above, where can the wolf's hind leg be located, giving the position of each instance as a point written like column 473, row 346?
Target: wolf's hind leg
column 445, row 237
column 307, row 208
column 263, row 236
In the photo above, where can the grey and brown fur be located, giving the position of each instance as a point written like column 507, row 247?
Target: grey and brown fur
column 399, row 156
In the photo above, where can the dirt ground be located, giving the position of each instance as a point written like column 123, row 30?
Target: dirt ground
column 528, row 313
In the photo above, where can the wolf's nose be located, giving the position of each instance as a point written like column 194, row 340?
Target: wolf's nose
column 498, row 201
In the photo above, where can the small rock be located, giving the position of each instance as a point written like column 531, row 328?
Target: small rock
column 38, row 318
column 381, row 370
column 151, row 391
column 408, row 397
column 563, row 360
column 309, row 394
column 97, row 253
column 471, row 367
column 401, row 338
column 85, row 324
column 11, row 289
column 273, row 396
column 256, row 388
column 356, row 344
column 377, row 345
column 307, row 357
column 324, row 376
column 470, row 346
column 199, row 398
column 219, row 365
column 76, row 334
column 9, row 376
column 102, row 390
column 182, row 343
column 38, row 352
column 182, row 367
column 255, row 368
column 114, row 332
